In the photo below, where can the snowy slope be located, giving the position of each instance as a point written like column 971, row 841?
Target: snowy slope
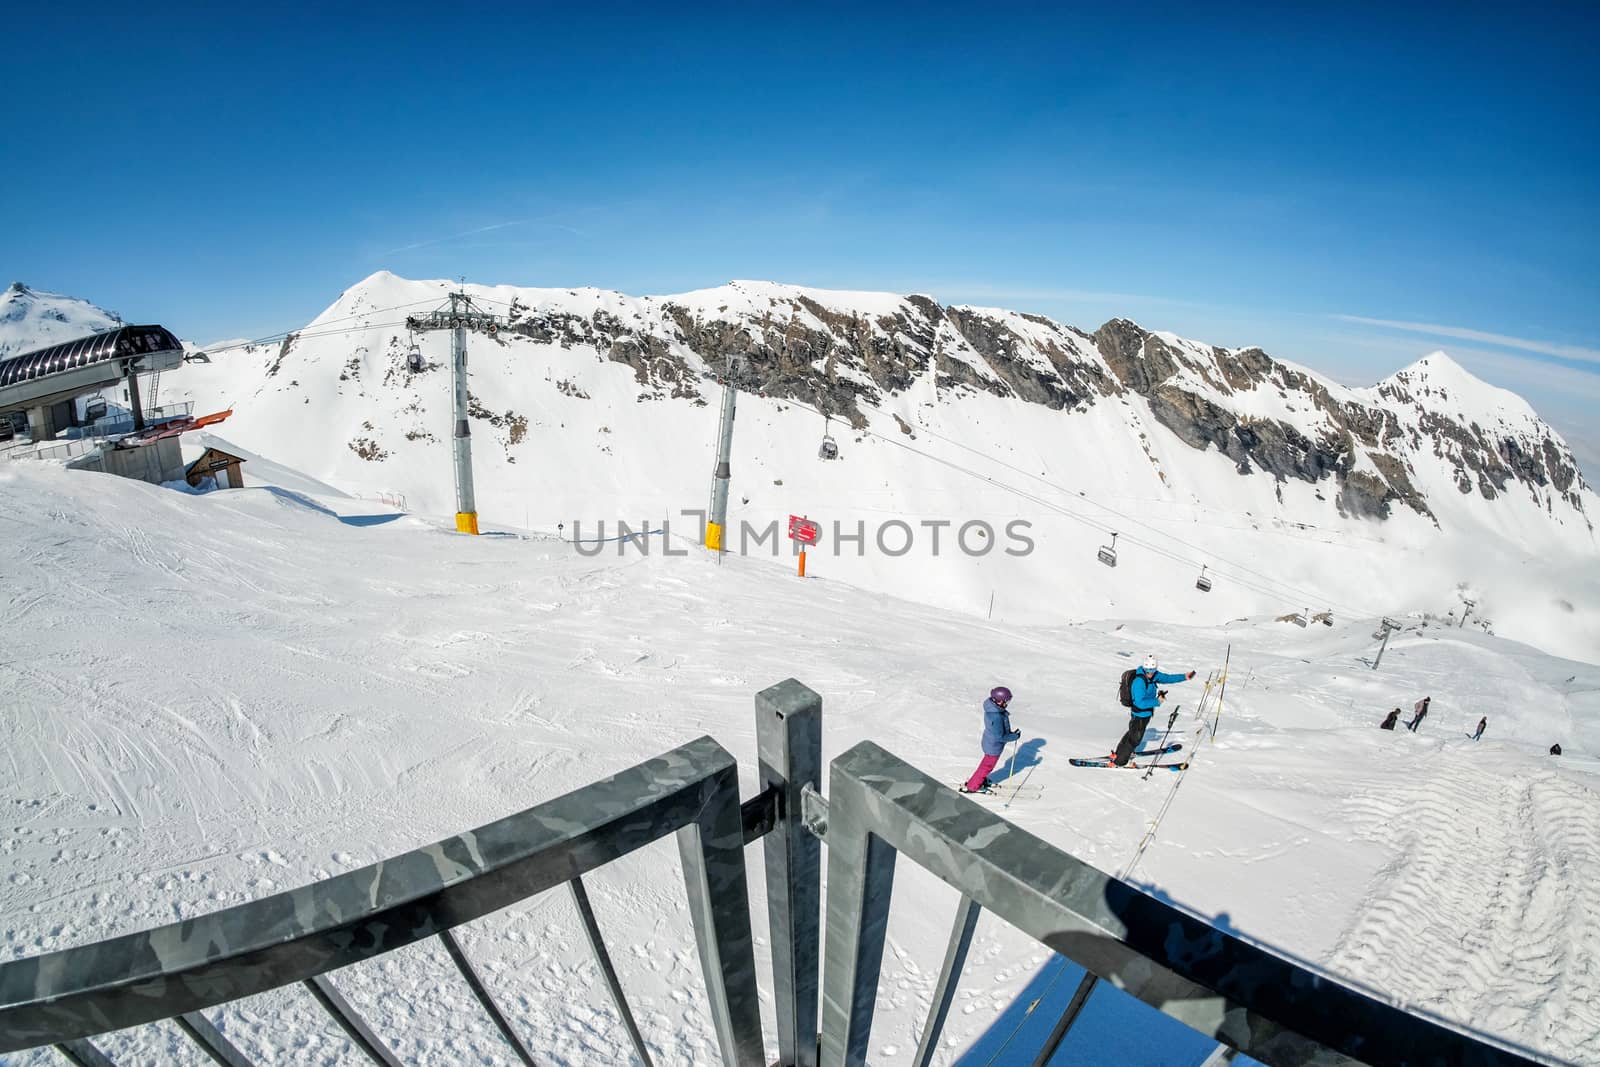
column 277, row 685
column 1294, row 492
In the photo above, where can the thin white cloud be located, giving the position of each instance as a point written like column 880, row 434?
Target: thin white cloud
column 482, row 229
column 1461, row 333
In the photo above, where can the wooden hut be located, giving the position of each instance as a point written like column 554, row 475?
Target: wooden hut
column 215, row 463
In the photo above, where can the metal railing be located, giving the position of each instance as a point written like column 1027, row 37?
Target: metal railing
column 81, row 440
column 300, row 936
column 123, row 424
column 878, row 808
column 55, row 450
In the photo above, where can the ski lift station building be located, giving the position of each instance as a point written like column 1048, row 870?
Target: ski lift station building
column 44, row 382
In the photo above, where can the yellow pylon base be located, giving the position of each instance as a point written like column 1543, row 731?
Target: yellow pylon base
column 467, row 522
column 714, row 536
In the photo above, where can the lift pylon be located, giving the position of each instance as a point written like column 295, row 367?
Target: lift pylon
column 461, row 317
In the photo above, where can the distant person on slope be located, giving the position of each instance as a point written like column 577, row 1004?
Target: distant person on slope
column 1482, row 723
column 997, row 734
column 1421, row 709
column 1140, row 694
column 1555, row 750
column 1388, row 723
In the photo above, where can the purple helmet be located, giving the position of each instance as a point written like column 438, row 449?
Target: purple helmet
column 1000, row 695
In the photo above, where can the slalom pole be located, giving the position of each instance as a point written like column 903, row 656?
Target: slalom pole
column 1221, row 692
column 1205, row 700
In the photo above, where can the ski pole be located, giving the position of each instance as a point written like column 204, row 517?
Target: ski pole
column 1170, row 720
column 1011, row 766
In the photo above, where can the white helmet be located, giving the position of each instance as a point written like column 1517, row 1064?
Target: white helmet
column 1150, row 662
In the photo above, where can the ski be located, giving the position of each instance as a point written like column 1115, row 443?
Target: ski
column 1141, row 767
column 1003, row 792
column 1143, row 752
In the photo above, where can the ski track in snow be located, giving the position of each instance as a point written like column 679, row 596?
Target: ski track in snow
column 1481, row 912
column 214, row 698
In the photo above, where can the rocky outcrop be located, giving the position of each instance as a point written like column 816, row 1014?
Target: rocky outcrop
column 1150, row 366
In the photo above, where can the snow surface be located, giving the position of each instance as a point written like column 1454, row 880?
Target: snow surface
column 214, row 697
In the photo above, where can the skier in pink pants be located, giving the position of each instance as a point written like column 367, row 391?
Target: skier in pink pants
column 997, row 733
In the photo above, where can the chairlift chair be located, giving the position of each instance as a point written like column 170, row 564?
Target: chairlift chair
column 95, row 408
column 1301, row 617
column 1108, row 553
column 414, row 358
column 829, row 449
column 1203, row 583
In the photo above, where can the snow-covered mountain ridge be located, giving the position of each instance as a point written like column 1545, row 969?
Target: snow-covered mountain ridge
column 847, row 353
column 1424, row 491
column 31, row 319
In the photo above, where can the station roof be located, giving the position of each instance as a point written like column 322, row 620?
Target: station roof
column 127, row 342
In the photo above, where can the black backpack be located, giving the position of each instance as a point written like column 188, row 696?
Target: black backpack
column 1125, row 690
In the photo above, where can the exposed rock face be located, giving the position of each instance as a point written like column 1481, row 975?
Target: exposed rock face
column 1148, row 365
column 846, row 354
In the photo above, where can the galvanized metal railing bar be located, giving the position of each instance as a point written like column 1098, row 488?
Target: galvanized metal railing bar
column 1245, row 996
column 296, row 935
column 711, row 849
column 210, row 1040
column 597, row 945
column 82, row 1053
column 470, row 973
column 955, row 959
column 860, row 884
column 351, row 1022
column 1221, row 1056
column 789, row 746
column 1069, row 1018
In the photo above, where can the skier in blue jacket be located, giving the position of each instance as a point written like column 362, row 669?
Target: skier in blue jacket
column 1146, row 698
column 997, row 734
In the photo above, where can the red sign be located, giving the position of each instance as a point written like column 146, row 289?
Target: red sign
column 803, row 530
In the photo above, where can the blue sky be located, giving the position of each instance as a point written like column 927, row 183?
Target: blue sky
column 1350, row 189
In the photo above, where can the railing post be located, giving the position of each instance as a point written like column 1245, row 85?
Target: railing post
column 789, row 745
column 712, row 851
column 597, row 945
column 955, row 957
column 860, row 883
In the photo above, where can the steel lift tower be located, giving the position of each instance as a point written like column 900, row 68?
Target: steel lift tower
column 717, row 521
column 462, row 316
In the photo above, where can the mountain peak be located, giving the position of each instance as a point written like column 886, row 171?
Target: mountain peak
column 1437, row 365
column 1439, row 376
column 30, row 318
